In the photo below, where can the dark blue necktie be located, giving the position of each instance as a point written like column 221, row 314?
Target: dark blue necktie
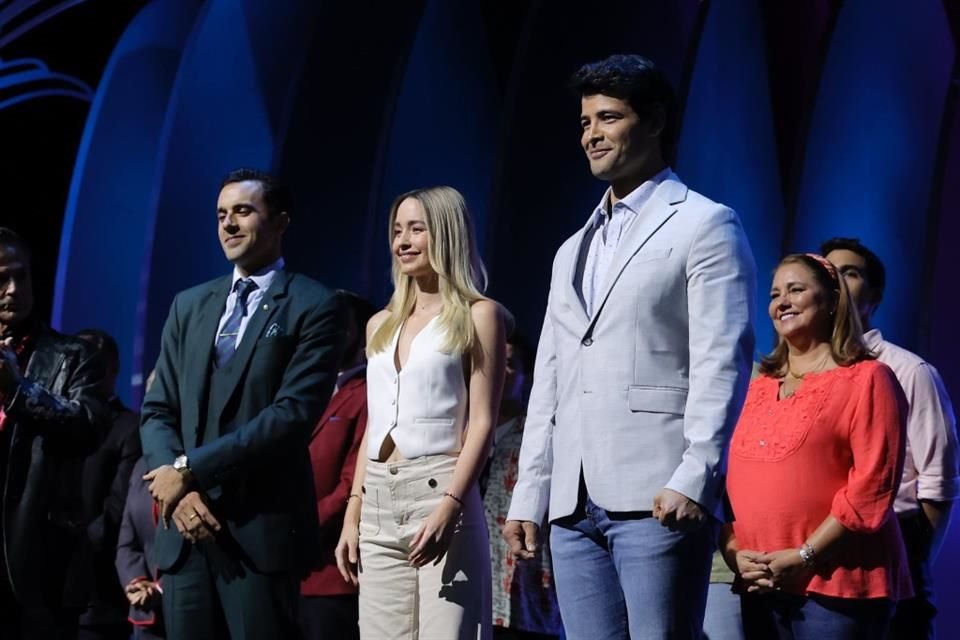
column 227, row 343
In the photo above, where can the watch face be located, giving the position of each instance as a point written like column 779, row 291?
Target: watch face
column 180, row 463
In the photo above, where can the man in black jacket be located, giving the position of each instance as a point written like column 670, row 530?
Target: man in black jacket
column 51, row 416
column 106, row 478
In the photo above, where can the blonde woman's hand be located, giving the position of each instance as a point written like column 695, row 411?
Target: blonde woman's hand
column 348, row 553
column 433, row 537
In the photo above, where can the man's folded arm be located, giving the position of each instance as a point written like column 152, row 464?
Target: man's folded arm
column 79, row 417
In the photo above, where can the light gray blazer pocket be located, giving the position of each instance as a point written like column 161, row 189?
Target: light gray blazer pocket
column 657, row 399
column 652, row 254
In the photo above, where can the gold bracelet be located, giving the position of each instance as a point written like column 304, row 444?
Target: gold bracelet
column 353, row 495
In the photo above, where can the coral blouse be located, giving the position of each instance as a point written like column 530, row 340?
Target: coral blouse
column 835, row 447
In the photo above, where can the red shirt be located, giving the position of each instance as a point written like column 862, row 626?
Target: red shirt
column 835, row 447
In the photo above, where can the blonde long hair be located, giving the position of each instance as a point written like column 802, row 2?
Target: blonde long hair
column 847, row 346
column 453, row 255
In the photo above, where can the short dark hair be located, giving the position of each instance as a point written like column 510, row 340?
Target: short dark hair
column 355, row 311
column 276, row 195
column 10, row 238
column 876, row 273
column 639, row 82
column 103, row 342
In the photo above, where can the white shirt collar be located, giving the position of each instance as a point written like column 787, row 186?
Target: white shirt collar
column 873, row 339
column 634, row 201
column 264, row 277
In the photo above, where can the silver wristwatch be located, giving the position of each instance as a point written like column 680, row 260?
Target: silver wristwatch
column 181, row 463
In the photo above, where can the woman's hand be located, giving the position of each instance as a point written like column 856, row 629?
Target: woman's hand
column 785, row 568
column 752, row 568
column 348, row 552
column 433, row 536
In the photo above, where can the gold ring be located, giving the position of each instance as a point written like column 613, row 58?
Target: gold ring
column 193, row 515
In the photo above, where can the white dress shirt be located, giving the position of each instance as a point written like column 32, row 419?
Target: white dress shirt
column 608, row 231
column 263, row 279
column 930, row 469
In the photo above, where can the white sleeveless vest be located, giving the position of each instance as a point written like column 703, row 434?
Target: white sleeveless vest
column 424, row 406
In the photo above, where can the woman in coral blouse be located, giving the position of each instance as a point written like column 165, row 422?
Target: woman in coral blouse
column 814, row 467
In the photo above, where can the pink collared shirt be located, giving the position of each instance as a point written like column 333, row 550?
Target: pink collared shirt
column 930, row 471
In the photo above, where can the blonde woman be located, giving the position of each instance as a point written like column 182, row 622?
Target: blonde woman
column 414, row 536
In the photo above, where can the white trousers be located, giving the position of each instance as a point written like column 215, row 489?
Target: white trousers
column 447, row 601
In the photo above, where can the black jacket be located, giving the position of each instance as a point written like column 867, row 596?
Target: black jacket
column 54, row 419
column 103, row 491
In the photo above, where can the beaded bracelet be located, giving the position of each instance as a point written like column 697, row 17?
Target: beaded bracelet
column 807, row 555
column 354, row 495
column 450, row 495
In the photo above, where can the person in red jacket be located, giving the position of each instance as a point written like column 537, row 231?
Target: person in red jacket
column 328, row 604
column 814, row 466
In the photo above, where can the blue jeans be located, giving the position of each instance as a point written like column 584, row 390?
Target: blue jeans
column 790, row 617
column 722, row 620
column 621, row 575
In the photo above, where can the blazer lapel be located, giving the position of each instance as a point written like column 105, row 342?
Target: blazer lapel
column 573, row 289
column 235, row 368
column 660, row 208
column 201, row 354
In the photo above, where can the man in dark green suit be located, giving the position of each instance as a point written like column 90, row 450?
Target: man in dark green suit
column 246, row 366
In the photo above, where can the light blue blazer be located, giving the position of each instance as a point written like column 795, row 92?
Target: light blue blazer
column 644, row 394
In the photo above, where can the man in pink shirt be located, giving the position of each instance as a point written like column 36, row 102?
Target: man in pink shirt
column 931, row 480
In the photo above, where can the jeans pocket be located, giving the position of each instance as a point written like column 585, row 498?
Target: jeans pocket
column 370, row 511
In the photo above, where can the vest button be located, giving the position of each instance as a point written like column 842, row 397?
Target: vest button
column 587, row 341
column 394, row 471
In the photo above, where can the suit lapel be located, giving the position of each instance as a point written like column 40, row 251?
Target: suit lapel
column 237, row 365
column 573, row 289
column 658, row 209
column 200, row 353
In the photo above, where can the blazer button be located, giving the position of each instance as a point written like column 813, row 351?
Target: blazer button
column 587, row 341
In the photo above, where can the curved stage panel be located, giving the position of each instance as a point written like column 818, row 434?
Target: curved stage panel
column 872, row 146
column 728, row 147
column 106, row 228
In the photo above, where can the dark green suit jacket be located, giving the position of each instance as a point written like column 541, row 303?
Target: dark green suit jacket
column 251, row 458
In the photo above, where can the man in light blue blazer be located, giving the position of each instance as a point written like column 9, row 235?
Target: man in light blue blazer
column 641, row 370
